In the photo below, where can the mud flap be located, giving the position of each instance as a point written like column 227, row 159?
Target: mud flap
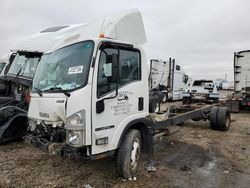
column 14, row 128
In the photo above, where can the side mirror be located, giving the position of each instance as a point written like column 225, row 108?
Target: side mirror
column 186, row 79
column 111, row 71
column 12, row 57
column 107, row 69
column 6, row 68
column 115, row 67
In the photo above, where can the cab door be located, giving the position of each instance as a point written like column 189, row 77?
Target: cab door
column 112, row 110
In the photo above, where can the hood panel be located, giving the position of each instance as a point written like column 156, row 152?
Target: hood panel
column 48, row 109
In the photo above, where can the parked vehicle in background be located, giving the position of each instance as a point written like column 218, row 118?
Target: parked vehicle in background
column 201, row 91
column 3, row 64
column 228, row 85
column 167, row 80
column 241, row 96
column 16, row 84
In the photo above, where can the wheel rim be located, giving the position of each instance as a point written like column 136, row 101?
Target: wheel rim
column 164, row 98
column 157, row 107
column 227, row 121
column 135, row 154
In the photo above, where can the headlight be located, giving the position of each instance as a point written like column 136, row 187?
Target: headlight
column 76, row 121
column 73, row 137
column 32, row 124
column 75, row 129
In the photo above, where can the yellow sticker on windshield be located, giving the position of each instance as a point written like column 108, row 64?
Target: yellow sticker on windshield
column 75, row 70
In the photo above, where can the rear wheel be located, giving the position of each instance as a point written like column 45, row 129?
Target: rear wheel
column 129, row 153
column 224, row 119
column 214, row 118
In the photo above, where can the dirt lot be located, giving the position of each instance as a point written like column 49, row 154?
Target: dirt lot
column 195, row 156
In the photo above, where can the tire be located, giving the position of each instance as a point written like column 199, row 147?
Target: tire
column 158, row 95
column 196, row 119
column 224, row 119
column 164, row 97
column 129, row 153
column 215, row 100
column 154, row 105
column 214, row 118
column 186, row 100
column 180, row 124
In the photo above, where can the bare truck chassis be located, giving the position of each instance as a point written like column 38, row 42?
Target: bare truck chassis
column 219, row 117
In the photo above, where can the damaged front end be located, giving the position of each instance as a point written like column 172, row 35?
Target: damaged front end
column 13, row 123
column 51, row 137
column 15, row 89
column 13, row 115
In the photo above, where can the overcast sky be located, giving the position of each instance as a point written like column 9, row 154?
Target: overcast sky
column 201, row 35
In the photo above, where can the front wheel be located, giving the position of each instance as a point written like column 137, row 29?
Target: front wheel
column 129, row 153
column 154, row 105
column 164, row 97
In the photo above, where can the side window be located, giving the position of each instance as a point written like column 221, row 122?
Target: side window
column 104, row 84
column 129, row 69
column 129, row 66
column 178, row 67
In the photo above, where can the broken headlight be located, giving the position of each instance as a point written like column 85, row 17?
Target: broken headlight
column 74, row 137
column 76, row 121
column 75, row 129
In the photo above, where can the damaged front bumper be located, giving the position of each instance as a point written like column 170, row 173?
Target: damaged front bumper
column 61, row 149
column 64, row 150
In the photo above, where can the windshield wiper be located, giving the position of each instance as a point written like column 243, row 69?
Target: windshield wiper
column 21, row 69
column 59, row 89
column 38, row 91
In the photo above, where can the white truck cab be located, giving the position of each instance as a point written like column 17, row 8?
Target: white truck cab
column 167, row 79
column 83, row 93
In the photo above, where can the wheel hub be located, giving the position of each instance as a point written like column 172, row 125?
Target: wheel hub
column 156, row 108
column 135, row 154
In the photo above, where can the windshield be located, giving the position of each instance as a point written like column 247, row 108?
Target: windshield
column 66, row 68
column 2, row 66
column 25, row 64
column 202, row 83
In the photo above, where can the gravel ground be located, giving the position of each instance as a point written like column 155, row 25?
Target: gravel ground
column 195, row 156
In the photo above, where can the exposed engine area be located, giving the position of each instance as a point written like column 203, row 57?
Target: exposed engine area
column 47, row 132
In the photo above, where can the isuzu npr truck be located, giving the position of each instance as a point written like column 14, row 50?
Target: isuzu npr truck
column 86, row 103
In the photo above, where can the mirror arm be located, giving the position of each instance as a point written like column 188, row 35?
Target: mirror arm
column 100, row 104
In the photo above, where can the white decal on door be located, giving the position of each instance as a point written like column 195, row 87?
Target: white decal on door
column 123, row 105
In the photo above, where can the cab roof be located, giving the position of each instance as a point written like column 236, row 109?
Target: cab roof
column 124, row 26
column 4, row 59
column 45, row 39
